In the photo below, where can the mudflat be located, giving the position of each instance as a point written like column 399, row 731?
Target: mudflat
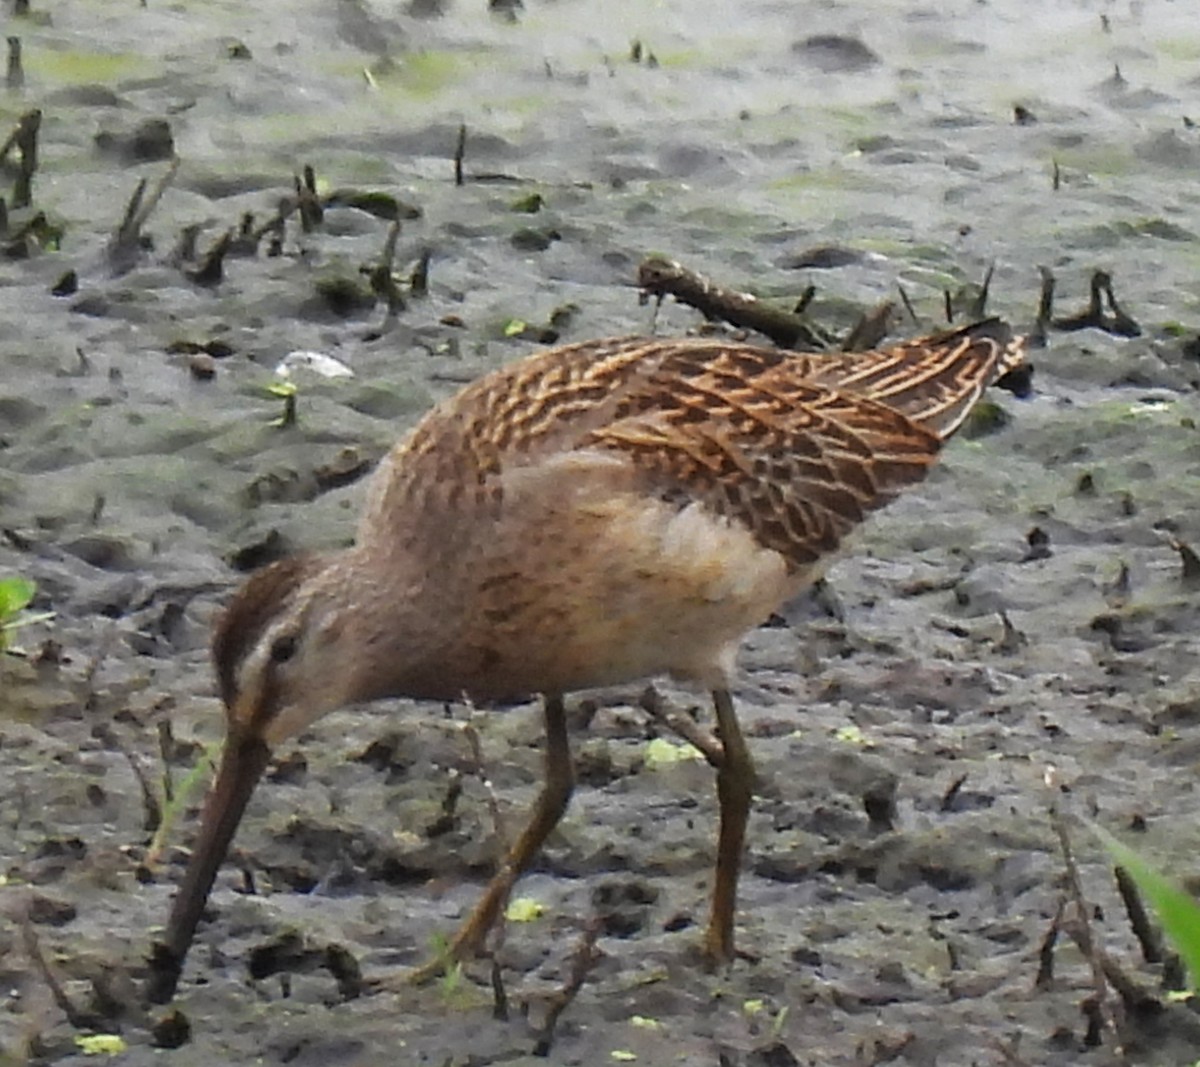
column 1009, row 646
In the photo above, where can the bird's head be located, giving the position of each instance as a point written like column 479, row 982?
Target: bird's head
column 279, row 650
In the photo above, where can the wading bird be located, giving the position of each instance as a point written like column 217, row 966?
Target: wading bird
column 590, row 515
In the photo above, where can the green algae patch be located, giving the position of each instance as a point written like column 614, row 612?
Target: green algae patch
column 75, row 67
column 420, row 75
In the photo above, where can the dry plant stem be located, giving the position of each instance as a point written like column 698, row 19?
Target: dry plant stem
column 1091, row 316
column 1080, row 928
column 460, row 151
column 499, row 993
column 979, row 305
column 1045, row 311
column 307, row 202
column 1045, row 972
column 1190, row 574
column 80, row 1020
column 14, row 74
column 150, row 804
column 681, row 723
column 166, row 741
column 419, row 282
column 1132, row 994
column 806, row 298
column 500, row 929
column 871, row 328
column 212, row 269
column 383, row 280
column 583, row 959
column 1143, row 928
column 27, row 135
column 547, row 810
column 275, row 224
column 125, row 244
column 1120, row 324
column 493, row 801
column 951, row 793
column 908, row 305
column 23, row 133
column 661, row 277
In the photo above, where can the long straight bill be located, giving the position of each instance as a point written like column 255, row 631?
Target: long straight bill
column 242, row 764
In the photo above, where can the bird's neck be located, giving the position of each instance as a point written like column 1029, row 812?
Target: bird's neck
column 400, row 635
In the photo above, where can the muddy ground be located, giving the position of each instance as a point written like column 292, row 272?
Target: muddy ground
column 962, row 677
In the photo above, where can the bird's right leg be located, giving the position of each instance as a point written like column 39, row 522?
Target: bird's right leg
column 547, row 811
column 735, row 791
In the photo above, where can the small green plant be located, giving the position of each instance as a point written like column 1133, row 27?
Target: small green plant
column 16, row 594
column 1178, row 911
column 451, row 982
column 174, row 805
column 286, row 391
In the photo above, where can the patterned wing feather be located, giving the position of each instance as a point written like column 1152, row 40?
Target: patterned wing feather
column 747, row 433
column 798, row 446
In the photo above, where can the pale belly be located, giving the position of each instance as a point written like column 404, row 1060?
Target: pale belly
column 631, row 587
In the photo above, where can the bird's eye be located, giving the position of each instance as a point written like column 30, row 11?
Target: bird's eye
column 283, row 648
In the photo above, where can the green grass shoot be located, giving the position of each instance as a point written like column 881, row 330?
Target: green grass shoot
column 1177, row 910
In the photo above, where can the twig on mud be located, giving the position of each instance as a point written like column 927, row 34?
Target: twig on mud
column 25, row 136
column 806, row 298
column 978, row 308
column 166, row 744
column 1143, row 929
column 31, row 120
column 460, row 151
column 1090, row 316
column 125, row 245
column 660, row 277
column 500, row 929
column 185, row 246
column 951, row 793
column 1045, row 972
column 14, row 72
column 312, row 214
column 499, row 993
column 583, row 959
column 477, row 768
column 1190, row 562
column 1045, row 310
column 103, row 732
column 681, row 723
column 1120, row 324
column 79, row 1019
column 418, row 284
column 1080, row 930
column 908, row 305
column 304, row 200
column 211, row 271
column 871, row 328
column 383, row 280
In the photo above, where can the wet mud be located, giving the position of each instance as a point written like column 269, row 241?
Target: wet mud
column 1008, row 647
